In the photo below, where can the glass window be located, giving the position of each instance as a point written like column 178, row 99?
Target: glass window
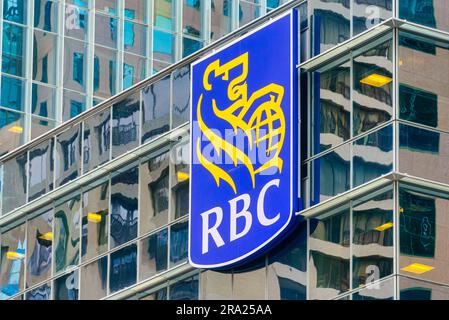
column 39, row 126
column 220, row 18
column 181, row 96
column 192, row 18
column 44, row 56
column 95, row 221
column 124, row 206
column 67, row 234
column 136, row 10
column 373, row 87
column 423, row 233
column 412, row 289
column 330, row 24
column 154, row 192
column 67, row 287
column 15, row 10
column 372, row 240
column 159, row 65
column 106, row 30
column 331, row 174
column 12, row 93
column 248, row 12
column 13, row 250
column 332, row 107
column 190, row 46
column 383, row 290
column 134, row 69
column 15, row 177
column 186, row 289
column 97, row 140
column 40, row 247
column 75, row 64
column 152, row 294
column 250, row 285
column 123, row 268
column 76, row 22
column 68, row 156
column 135, row 37
column 41, row 168
column 287, row 267
column 163, row 46
column 156, row 109
column 329, row 243
column 180, row 174
column 105, row 68
column 369, row 13
column 125, row 125
column 94, row 280
column 423, row 81
column 107, row 6
column 40, row 293
column 418, row 148
column 43, row 101
column 425, row 12
column 216, row 285
column 46, row 15
column 178, row 243
column 164, row 14
column 154, row 254
column 74, row 103
column 373, row 155
column 13, row 50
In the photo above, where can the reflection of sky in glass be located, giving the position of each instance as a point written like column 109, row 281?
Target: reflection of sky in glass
column 163, row 42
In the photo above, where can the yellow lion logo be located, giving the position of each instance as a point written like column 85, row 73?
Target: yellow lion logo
column 267, row 116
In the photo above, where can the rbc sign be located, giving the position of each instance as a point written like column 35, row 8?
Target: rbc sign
column 243, row 160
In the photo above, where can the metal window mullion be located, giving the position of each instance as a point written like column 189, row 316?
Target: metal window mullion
column 28, row 71
column 351, row 235
column 395, row 100
column 234, row 14
column 90, row 55
column 396, row 212
column 120, row 46
column 60, row 67
column 263, row 7
column 351, row 121
column 178, row 29
column 149, row 42
column 206, row 21
column 308, row 260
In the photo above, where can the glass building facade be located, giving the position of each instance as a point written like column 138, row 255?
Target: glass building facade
column 98, row 207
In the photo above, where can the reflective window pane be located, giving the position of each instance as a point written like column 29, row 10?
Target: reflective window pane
column 373, row 85
column 105, row 69
column 12, row 133
column 192, row 18
column 154, row 192
column 136, row 10
column 123, row 268
column 329, row 243
column 44, row 56
column 39, row 126
column 13, row 50
column 46, row 15
column 331, row 174
column 94, row 280
column 96, row 140
column 66, row 287
column 250, row 285
column 163, row 46
column 124, row 206
column 15, row 177
column 134, row 69
column 40, row 293
column 412, row 289
column 15, row 11
column 373, row 155
column 40, row 248
column 373, row 232
column 425, row 12
column 216, row 285
column 125, row 125
column 67, row 234
column 156, row 109
column 178, row 243
column 190, row 46
column 76, row 21
column 221, row 18
column 369, row 13
column 12, row 93
column 164, row 14
column 107, row 6
column 154, row 254
column 181, row 96
column 43, row 101
column 135, row 38
column 41, row 169
column 75, row 64
column 95, row 221
column 383, row 290
column 106, row 30
column 68, row 156
column 248, row 12
column 74, row 103
column 13, row 251
column 186, row 289
column 180, row 174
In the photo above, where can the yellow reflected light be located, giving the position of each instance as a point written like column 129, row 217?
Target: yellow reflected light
column 94, row 217
column 47, row 236
column 13, row 255
column 384, row 227
column 376, row 80
column 182, row 176
column 417, row 268
column 16, row 129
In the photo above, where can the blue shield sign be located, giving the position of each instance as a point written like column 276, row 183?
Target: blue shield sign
column 243, row 161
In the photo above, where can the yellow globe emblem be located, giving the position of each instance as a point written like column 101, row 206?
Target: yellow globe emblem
column 264, row 127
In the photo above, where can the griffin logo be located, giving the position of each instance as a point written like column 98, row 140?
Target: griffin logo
column 263, row 122
column 242, row 176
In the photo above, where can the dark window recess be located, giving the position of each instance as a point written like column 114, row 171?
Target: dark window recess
column 418, row 106
column 421, row 12
column 413, row 138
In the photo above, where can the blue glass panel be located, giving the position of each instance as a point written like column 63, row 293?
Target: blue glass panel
column 12, row 93
column 123, row 268
column 66, row 287
column 178, row 243
column 15, row 10
column 13, row 49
